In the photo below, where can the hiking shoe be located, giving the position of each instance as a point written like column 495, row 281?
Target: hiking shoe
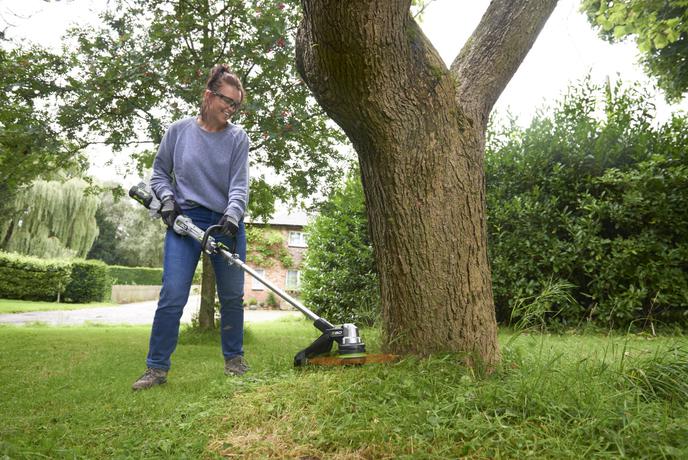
column 150, row 378
column 236, row 366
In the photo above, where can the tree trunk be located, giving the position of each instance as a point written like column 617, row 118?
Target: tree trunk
column 206, row 313
column 420, row 136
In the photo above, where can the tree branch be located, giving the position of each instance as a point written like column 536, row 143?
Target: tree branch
column 422, row 9
column 225, row 38
column 136, row 142
column 496, row 49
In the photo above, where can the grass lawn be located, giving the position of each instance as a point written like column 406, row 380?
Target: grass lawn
column 22, row 306
column 66, row 394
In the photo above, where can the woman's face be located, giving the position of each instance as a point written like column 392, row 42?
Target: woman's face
column 223, row 103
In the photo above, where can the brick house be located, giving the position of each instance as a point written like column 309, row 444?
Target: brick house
column 290, row 227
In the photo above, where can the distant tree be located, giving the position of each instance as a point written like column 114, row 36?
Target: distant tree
column 128, row 236
column 105, row 246
column 660, row 29
column 51, row 219
column 141, row 242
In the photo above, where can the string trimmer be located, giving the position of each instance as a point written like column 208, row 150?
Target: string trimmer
column 351, row 349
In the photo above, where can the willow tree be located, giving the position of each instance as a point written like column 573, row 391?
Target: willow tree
column 419, row 130
column 51, row 219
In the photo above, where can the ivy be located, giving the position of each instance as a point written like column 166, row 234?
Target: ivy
column 266, row 247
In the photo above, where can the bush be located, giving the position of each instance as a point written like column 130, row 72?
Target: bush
column 89, row 282
column 640, row 244
column 30, row 278
column 592, row 197
column 271, row 301
column 340, row 282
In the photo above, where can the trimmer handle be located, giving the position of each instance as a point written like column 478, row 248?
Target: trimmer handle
column 141, row 194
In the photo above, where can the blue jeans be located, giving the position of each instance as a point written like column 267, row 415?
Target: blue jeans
column 179, row 263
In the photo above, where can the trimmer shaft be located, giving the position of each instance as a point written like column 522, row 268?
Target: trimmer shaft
column 346, row 336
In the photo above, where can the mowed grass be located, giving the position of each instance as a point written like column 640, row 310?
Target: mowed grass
column 22, row 306
column 66, row 394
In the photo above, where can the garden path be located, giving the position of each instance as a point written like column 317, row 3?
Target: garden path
column 133, row 313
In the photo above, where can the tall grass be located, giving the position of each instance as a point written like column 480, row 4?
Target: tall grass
column 66, row 395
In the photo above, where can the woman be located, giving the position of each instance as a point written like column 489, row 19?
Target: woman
column 201, row 171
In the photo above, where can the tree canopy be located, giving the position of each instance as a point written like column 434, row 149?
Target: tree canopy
column 31, row 144
column 145, row 66
column 122, row 82
column 660, row 29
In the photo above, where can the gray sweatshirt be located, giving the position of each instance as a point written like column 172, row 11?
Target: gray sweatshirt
column 198, row 167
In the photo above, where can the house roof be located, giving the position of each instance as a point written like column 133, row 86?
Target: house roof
column 294, row 218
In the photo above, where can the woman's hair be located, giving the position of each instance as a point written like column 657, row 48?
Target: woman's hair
column 218, row 75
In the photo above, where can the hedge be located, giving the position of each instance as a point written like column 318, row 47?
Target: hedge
column 593, row 209
column 135, row 275
column 587, row 219
column 142, row 276
column 78, row 281
column 31, row 278
column 89, row 282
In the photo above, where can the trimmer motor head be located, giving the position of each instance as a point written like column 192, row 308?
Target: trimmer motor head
column 346, row 336
column 350, row 342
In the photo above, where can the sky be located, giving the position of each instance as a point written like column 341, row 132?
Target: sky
column 566, row 50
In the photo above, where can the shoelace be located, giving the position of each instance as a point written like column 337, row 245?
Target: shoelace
column 149, row 373
column 238, row 363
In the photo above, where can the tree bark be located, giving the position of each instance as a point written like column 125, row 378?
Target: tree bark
column 419, row 131
column 206, row 313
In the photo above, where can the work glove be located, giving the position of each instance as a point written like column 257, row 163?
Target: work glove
column 169, row 210
column 230, row 226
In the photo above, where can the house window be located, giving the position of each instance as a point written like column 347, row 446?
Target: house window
column 257, row 285
column 298, row 239
column 293, row 280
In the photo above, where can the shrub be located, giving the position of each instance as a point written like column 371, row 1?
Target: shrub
column 340, row 282
column 89, row 282
column 640, row 246
column 30, row 278
column 592, row 197
column 271, row 301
